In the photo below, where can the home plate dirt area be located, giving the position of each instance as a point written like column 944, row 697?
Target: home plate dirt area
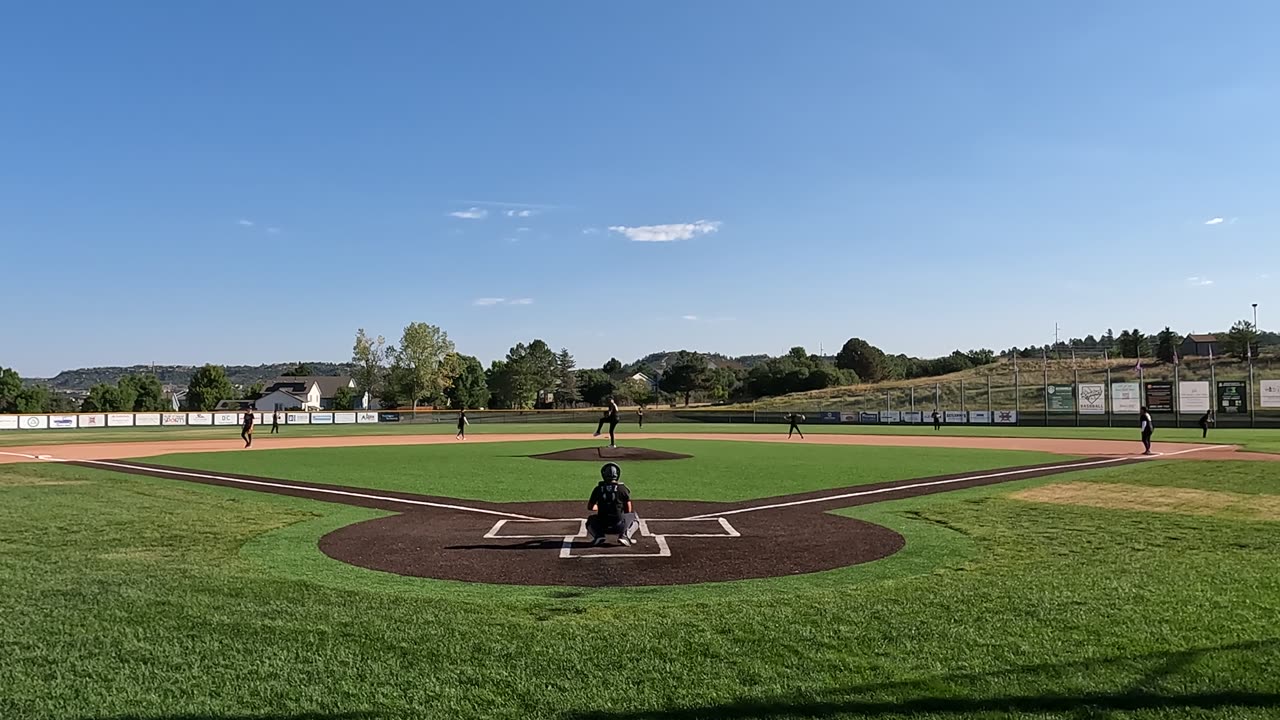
column 545, row 543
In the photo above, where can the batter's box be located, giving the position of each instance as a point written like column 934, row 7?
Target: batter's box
column 647, row 547
column 699, row 528
column 536, row 529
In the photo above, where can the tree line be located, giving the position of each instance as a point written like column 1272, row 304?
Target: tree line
column 1241, row 341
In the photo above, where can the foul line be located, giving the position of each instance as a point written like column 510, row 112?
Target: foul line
column 931, row 483
column 306, row 488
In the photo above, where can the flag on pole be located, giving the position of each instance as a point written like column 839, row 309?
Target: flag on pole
column 1138, row 368
column 1175, row 357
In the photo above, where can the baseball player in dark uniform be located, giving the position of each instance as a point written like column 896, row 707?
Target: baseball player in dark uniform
column 275, row 423
column 1205, row 420
column 610, row 416
column 463, row 422
column 640, row 416
column 1148, row 428
column 611, row 503
column 937, row 420
column 795, row 419
column 246, row 430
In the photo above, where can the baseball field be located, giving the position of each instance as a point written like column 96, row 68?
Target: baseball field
column 403, row 574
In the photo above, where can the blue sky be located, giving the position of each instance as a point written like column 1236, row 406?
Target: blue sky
column 246, row 182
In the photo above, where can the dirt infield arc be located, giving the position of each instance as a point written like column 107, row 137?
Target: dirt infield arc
column 543, row 543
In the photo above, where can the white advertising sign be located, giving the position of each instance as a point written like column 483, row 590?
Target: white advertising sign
column 979, row 416
column 1193, row 397
column 367, row 417
column 1092, row 398
column 890, row 416
column 1126, row 397
column 120, row 420
column 913, row 416
column 954, row 416
column 34, row 422
column 200, row 419
column 8, row 422
column 146, row 419
column 225, row 418
column 344, row 418
column 173, row 419
column 322, row 418
column 298, row 418
column 1270, row 394
column 93, row 421
column 848, row 417
column 62, row 422
column 1006, row 417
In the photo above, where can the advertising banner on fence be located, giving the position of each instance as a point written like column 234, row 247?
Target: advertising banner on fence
column 93, row 421
column 34, row 422
column 1126, row 398
column 913, row 416
column 120, row 420
column 1060, row 398
column 146, row 419
column 200, row 419
column 389, row 417
column 829, row 416
column 8, row 422
column 869, row 417
column 890, row 416
column 1006, row 417
column 1193, row 397
column 1233, row 397
column 367, row 417
column 954, row 416
column 327, row 419
column 1093, row 398
column 297, row 418
column 980, row 416
column 173, row 419
column 344, row 418
column 1270, row 394
column 62, row 422
column 225, row 418
column 1160, row 397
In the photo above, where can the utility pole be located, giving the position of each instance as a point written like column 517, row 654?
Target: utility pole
column 1056, row 348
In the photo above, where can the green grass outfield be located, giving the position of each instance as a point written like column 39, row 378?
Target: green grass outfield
column 1261, row 440
column 134, row 597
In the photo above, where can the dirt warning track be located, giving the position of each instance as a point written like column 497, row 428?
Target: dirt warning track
column 545, row 543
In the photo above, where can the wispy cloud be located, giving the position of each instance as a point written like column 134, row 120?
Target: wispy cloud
column 1197, row 281
column 522, row 229
column 689, row 317
column 521, row 213
column 273, row 230
column 590, row 231
column 522, row 301
column 1215, row 221
column 667, row 233
column 246, row 223
column 474, row 213
column 499, row 203
column 486, row 302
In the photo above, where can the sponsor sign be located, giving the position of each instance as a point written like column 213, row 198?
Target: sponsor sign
column 980, row 416
column 173, row 419
column 225, row 418
column 1093, row 398
column 1193, row 397
column 954, row 417
column 146, row 419
column 344, row 418
column 367, row 417
column 1006, row 417
column 297, row 418
column 1160, row 397
column 8, row 422
column 913, row 416
column 1061, row 398
column 829, row 417
column 848, row 417
column 389, row 417
column 200, row 419
column 1126, row 398
column 93, row 421
column 890, row 416
column 33, row 422
column 1233, row 397
column 62, row 422
column 1270, row 394
column 325, row 418
column 869, row 417
column 120, row 420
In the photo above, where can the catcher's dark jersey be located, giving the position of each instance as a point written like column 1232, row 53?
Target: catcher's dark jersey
column 611, row 499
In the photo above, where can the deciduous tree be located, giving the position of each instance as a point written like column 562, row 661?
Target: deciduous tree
column 208, row 387
column 470, row 389
column 863, row 358
column 686, row 374
column 423, row 362
column 369, row 354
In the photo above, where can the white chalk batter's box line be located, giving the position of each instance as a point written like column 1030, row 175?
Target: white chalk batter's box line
column 495, row 532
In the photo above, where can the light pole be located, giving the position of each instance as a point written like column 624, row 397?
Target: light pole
column 1253, row 401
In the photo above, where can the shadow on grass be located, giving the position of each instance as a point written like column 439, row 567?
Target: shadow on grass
column 923, row 696
column 241, row 716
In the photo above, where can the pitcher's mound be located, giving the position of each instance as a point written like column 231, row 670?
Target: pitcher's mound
column 596, row 454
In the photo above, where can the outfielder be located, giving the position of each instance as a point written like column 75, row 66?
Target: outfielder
column 611, row 503
column 795, row 419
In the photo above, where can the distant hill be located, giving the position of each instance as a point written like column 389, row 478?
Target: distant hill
column 180, row 375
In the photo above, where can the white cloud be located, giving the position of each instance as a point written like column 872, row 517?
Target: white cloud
column 522, row 229
column 491, row 301
column 498, row 203
column 521, row 213
column 667, row 233
column 246, row 223
column 590, row 231
column 474, row 213
column 273, row 230
column 485, row 302
column 513, row 240
column 522, row 301
column 1214, row 221
column 1198, row 281
column 689, row 317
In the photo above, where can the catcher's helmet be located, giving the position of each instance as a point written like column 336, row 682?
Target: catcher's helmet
column 610, row 472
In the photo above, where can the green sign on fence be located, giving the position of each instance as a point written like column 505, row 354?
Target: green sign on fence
column 1233, row 397
column 1061, row 398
